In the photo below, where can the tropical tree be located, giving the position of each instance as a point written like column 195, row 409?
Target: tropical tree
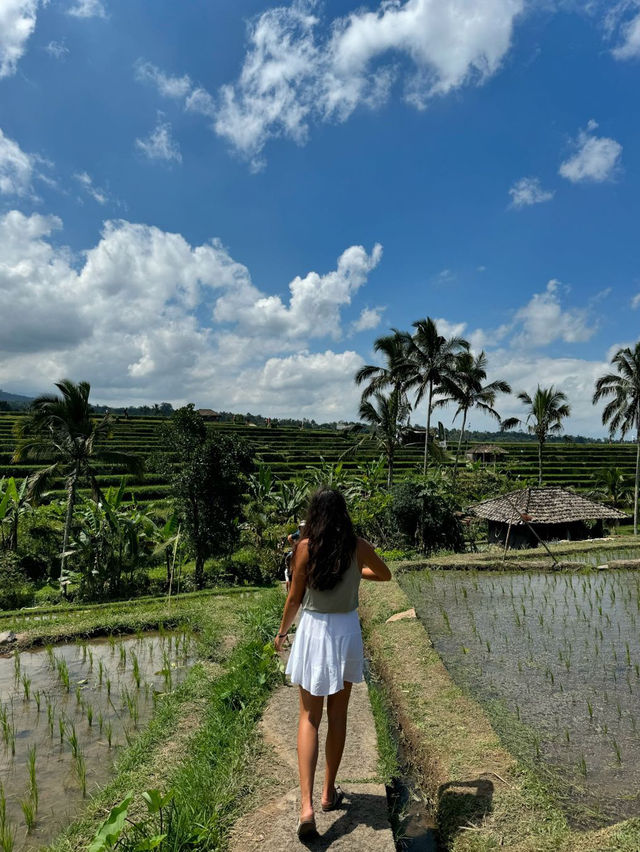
column 388, row 417
column 546, row 411
column 622, row 411
column 208, row 482
column 611, row 484
column 62, row 431
column 394, row 374
column 432, row 364
column 13, row 503
column 466, row 390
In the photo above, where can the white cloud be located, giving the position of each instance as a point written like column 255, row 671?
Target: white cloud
column 635, row 302
column 127, row 315
column 87, row 9
column 168, row 86
column 86, row 182
column 543, row 320
column 450, row 329
column 17, row 22
column 528, row 191
column 369, row 319
column 622, row 22
column 314, row 305
column 160, row 145
column 57, row 49
column 16, row 168
column 597, row 158
column 294, row 75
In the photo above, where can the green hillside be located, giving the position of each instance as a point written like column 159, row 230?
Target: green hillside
column 288, row 451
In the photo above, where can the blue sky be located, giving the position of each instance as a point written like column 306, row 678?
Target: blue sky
column 227, row 203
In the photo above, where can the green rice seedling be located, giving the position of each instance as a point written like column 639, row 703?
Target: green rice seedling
column 81, row 770
column 63, row 674
column 90, row 715
column 123, row 655
column 7, row 831
column 33, row 781
column 78, row 696
column 109, row 733
column 590, row 709
column 29, row 814
column 583, row 766
column 72, row 739
column 111, row 639
column 567, row 735
column 100, row 672
column 50, row 718
column 61, row 728
column 51, row 659
column 108, row 683
column 136, row 669
column 83, row 645
column 16, row 664
column 90, row 660
column 617, row 751
column 26, row 685
column 100, row 722
column 38, row 698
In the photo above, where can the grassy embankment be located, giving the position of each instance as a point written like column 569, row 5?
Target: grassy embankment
column 200, row 741
column 618, row 552
column 482, row 797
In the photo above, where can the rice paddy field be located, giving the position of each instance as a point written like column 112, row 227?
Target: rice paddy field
column 554, row 659
column 289, row 451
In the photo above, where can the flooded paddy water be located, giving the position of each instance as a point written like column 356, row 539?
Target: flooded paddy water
column 555, row 660
column 65, row 711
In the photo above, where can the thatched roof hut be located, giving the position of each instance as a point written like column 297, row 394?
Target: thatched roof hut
column 554, row 513
column 208, row 414
column 485, row 453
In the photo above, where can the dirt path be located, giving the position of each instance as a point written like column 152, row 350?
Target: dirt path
column 360, row 824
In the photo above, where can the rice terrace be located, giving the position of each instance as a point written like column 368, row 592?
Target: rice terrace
column 319, row 426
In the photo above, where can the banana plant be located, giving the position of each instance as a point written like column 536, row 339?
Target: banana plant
column 289, row 499
column 13, row 504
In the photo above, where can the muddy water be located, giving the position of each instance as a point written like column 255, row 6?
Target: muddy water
column 555, row 659
column 77, row 705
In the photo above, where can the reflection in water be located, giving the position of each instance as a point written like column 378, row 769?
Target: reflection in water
column 560, row 653
column 66, row 710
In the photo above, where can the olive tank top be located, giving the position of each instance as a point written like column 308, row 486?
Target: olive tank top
column 343, row 597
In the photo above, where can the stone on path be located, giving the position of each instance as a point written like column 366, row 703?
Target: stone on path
column 361, row 823
column 408, row 613
column 7, row 638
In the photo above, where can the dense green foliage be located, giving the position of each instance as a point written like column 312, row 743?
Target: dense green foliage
column 207, row 483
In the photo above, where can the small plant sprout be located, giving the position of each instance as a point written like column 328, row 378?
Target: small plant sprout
column 50, row 717
column 81, row 769
column 29, row 813
column 16, row 664
column 7, row 831
column 109, row 733
column 61, row 728
column 618, row 752
column 90, row 715
column 33, row 781
column 26, row 685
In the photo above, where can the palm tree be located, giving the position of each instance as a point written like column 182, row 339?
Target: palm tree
column 623, row 410
column 394, row 347
column 611, row 484
column 387, row 416
column 466, row 391
column 546, row 412
column 432, row 365
column 60, row 430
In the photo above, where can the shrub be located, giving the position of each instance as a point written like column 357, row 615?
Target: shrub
column 15, row 589
column 371, row 519
column 424, row 517
column 48, row 595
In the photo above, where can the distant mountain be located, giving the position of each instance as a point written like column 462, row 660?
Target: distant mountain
column 15, row 399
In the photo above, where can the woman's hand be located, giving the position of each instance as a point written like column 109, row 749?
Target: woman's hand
column 279, row 642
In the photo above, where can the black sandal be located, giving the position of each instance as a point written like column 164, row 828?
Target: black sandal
column 338, row 796
column 306, row 829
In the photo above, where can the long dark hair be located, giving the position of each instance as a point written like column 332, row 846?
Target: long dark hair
column 332, row 540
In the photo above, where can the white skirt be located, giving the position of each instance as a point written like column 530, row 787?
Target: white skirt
column 326, row 652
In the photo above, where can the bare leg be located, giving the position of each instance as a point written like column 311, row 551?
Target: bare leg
column 310, row 716
column 337, row 705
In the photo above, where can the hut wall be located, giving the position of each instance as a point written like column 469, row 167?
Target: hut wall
column 522, row 536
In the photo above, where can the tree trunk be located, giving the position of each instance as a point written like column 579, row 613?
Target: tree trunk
column 540, row 464
column 426, row 437
column 71, row 495
column 464, row 423
column 637, row 482
column 390, row 467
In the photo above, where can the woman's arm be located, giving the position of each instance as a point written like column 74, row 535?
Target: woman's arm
column 296, row 591
column 371, row 566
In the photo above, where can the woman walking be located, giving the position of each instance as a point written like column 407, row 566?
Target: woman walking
column 326, row 657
